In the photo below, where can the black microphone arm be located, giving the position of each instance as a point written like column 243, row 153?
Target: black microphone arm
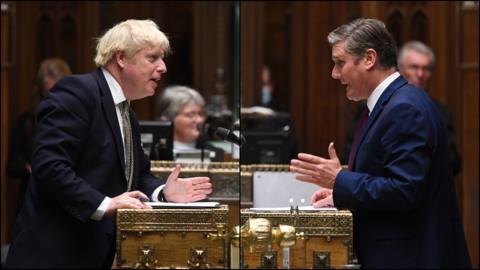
column 229, row 136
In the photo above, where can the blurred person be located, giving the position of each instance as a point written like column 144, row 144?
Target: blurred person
column 87, row 160
column 269, row 89
column 399, row 185
column 21, row 139
column 416, row 62
column 185, row 107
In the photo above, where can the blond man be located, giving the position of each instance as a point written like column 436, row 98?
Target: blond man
column 87, row 161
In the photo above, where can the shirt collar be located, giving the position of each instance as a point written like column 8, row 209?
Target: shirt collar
column 115, row 88
column 373, row 98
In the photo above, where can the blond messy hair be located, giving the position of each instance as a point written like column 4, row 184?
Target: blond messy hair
column 130, row 37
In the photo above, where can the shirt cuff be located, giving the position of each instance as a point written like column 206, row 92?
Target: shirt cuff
column 98, row 214
column 156, row 192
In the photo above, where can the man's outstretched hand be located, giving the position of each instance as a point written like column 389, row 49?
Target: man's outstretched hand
column 184, row 190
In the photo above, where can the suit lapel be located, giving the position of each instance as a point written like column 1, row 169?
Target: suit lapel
column 384, row 98
column 109, row 111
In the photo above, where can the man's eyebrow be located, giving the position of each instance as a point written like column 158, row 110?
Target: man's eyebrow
column 336, row 58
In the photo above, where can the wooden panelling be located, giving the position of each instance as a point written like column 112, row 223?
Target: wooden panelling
column 467, row 64
column 469, row 28
column 25, row 69
column 7, row 18
column 320, row 110
column 179, row 21
column 469, row 150
column 276, row 48
column 54, row 40
column 265, row 40
column 87, row 31
column 322, row 91
column 375, row 9
column 251, row 54
column 213, row 49
column 298, row 41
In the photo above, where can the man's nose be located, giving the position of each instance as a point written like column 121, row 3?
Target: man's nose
column 162, row 67
column 335, row 74
column 420, row 73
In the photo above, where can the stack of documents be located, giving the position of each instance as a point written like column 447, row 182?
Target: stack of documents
column 184, row 205
column 300, row 208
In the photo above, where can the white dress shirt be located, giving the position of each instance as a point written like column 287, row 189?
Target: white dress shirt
column 375, row 95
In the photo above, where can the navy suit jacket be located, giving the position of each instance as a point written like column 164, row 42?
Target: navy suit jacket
column 77, row 160
column 401, row 189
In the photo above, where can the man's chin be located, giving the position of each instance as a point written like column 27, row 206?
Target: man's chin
column 354, row 98
column 349, row 96
column 150, row 92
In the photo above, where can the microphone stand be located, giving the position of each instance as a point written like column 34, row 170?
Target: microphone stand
column 202, row 150
column 202, row 140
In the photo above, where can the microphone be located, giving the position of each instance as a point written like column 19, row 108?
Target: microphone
column 207, row 130
column 229, row 136
column 202, row 138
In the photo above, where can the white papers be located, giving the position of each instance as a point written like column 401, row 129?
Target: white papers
column 300, row 208
column 183, row 205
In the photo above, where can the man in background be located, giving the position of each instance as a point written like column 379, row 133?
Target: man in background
column 21, row 141
column 416, row 62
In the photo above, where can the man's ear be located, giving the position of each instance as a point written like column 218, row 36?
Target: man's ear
column 369, row 58
column 120, row 58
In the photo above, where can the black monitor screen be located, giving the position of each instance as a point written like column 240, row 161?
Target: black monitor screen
column 157, row 139
column 266, row 147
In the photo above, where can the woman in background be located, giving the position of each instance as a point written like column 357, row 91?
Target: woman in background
column 184, row 106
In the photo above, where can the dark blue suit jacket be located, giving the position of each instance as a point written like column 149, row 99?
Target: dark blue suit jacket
column 77, row 160
column 401, row 189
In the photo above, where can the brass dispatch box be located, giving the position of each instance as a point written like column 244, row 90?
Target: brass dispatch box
column 172, row 238
column 298, row 239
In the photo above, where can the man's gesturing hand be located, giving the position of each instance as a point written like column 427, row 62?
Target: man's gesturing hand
column 183, row 190
column 317, row 170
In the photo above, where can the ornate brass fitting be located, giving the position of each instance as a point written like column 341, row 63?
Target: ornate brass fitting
column 146, row 257
column 259, row 231
column 198, row 258
column 221, row 233
column 321, row 260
